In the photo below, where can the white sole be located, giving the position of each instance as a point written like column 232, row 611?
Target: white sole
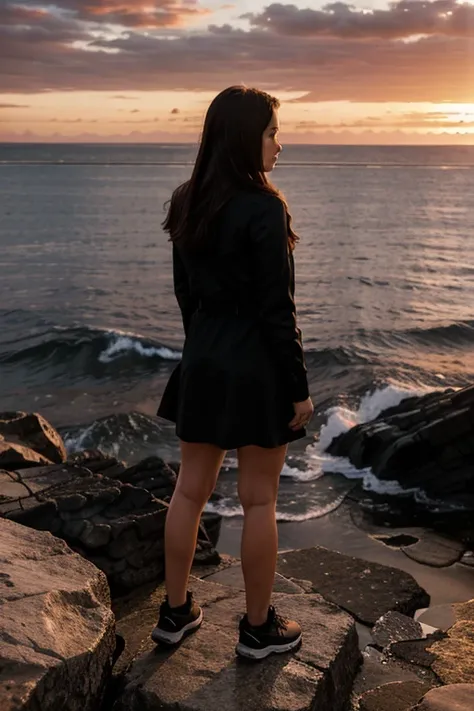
column 243, row 651
column 174, row 637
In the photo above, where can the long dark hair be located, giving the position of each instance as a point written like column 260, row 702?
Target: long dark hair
column 229, row 159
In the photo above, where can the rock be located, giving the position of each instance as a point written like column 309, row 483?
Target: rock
column 97, row 462
column 233, row 577
column 14, row 456
column 417, row 651
column 379, row 669
column 319, row 675
column 203, row 572
column 154, row 474
column 33, row 431
column 454, row 653
column 423, row 443
column 57, row 635
column 366, row 590
column 394, row 696
column 118, row 526
column 455, row 697
column 394, row 627
column 435, row 550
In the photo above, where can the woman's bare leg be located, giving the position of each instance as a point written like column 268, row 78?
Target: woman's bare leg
column 259, row 475
column 200, row 465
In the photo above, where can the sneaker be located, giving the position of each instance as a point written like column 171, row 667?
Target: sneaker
column 175, row 623
column 276, row 635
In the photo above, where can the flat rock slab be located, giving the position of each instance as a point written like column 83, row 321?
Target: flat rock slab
column 455, row 653
column 366, row 590
column 434, row 550
column 57, row 631
column 233, row 577
column 395, row 696
column 204, row 674
column 456, row 697
column 418, row 651
column 394, row 627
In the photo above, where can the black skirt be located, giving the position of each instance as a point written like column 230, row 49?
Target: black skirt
column 228, row 390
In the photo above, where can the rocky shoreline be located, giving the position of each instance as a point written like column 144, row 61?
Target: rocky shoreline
column 65, row 643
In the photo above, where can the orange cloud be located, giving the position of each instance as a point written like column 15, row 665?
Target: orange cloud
column 135, row 13
column 336, row 53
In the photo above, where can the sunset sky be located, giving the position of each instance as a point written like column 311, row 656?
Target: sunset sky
column 145, row 70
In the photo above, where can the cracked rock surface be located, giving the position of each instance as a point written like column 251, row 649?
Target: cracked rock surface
column 319, row 675
column 57, row 630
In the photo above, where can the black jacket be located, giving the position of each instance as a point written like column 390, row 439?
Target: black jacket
column 249, row 269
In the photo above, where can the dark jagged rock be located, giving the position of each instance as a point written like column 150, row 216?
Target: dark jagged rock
column 115, row 524
column 425, row 442
column 95, row 461
column 33, row 431
column 417, row 651
column 394, row 627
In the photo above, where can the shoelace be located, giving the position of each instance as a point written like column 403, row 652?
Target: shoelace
column 279, row 622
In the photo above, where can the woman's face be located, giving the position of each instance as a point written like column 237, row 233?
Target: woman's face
column 270, row 145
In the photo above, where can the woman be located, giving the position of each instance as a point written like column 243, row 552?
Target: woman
column 242, row 380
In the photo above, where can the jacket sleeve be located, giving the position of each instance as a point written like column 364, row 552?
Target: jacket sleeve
column 181, row 289
column 275, row 294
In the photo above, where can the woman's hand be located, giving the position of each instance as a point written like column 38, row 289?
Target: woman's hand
column 303, row 414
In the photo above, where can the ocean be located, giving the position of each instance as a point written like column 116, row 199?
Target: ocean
column 90, row 330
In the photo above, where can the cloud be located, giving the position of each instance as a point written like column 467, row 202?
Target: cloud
column 336, row 53
column 127, row 13
column 400, row 20
column 14, row 106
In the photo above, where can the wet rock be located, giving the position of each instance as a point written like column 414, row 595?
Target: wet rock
column 394, row 627
column 33, row 431
column 455, row 697
column 454, row 663
column 366, row 590
column 394, row 696
column 423, row 443
column 319, row 675
column 57, row 634
column 435, row 550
